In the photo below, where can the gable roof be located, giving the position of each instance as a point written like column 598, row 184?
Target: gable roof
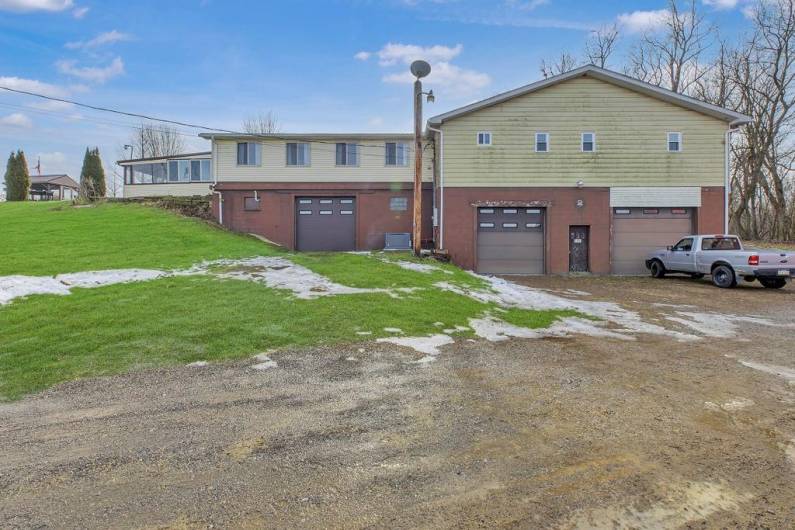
column 608, row 76
column 60, row 179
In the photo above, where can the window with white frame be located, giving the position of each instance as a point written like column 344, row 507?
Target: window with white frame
column 347, row 154
column 674, row 142
column 484, row 138
column 249, row 154
column 397, row 154
column 588, row 142
column 542, row 142
column 297, row 154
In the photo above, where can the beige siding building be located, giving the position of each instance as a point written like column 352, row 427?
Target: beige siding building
column 584, row 172
column 320, row 191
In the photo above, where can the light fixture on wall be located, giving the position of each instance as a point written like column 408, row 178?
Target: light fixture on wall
column 580, row 183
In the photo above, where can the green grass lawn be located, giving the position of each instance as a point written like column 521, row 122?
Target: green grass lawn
column 41, row 238
column 48, row 339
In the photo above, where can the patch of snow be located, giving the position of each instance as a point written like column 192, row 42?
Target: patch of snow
column 438, row 324
column 265, row 362
column 274, row 272
column 424, row 268
column 730, row 406
column 456, row 329
column 716, row 324
column 19, row 286
column 780, row 371
column 361, row 350
column 508, row 294
column 364, row 333
column 393, row 330
column 351, row 359
column 198, row 364
column 427, row 345
column 495, row 330
column 672, row 306
column 789, row 452
column 280, row 273
column 577, row 293
column 91, row 279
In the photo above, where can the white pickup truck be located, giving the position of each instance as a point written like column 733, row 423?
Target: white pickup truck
column 725, row 259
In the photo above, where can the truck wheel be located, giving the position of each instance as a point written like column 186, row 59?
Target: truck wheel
column 657, row 269
column 697, row 275
column 723, row 277
column 773, row 283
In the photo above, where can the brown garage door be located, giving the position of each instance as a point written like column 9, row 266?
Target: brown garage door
column 325, row 223
column 638, row 231
column 510, row 240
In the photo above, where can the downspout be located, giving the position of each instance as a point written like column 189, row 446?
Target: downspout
column 726, row 180
column 441, row 185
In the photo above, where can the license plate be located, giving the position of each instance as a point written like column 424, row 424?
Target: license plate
column 783, row 272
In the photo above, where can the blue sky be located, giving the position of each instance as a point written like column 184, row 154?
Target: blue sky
column 319, row 65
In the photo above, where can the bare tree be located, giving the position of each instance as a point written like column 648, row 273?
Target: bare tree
column 601, row 45
column 671, row 57
column 114, row 183
column 262, row 123
column 763, row 75
column 151, row 141
column 565, row 63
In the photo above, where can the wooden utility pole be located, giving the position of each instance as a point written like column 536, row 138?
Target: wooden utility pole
column 417, row 236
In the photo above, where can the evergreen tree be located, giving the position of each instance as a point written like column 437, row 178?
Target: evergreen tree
column 17, row 178
column 92, row 176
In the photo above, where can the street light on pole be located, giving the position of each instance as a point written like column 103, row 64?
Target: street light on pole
column 419, row 69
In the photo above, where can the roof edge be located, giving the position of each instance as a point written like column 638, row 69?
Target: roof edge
column 169, row 157
column 307, row 136
column 735, row 119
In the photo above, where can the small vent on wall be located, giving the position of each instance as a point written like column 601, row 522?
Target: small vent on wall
column 397, row 241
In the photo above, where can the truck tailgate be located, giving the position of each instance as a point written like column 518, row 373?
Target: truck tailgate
column 775, row 263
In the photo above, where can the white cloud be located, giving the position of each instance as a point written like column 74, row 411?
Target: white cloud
column 108, row 37
column 93, row 74
column 453, row 79
column 528, row 5
column 80, row 12
column 448, row 77
column 17, row 119
column 393, row 53
column 722, row 4
column 25, row 6
column 641, row 21
column 362, row 56
column 31, row 85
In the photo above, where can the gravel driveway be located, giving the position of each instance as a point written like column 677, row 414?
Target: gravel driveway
column 559, row 432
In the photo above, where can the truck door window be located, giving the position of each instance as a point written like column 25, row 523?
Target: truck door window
column 685, row 245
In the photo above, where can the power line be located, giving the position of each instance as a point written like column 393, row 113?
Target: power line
column 172, row 130
column 409, row 148
column 173, row 122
